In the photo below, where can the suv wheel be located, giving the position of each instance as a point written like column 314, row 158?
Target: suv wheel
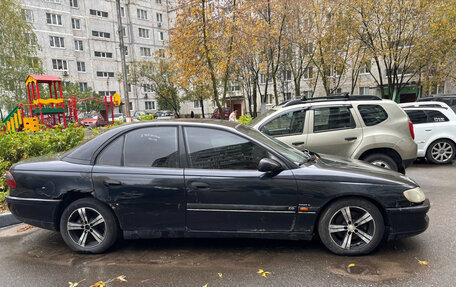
column 441, row 151
column 351, row 227
column 88, row 226
column 382, row 160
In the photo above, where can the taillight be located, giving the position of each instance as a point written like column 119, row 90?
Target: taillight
column 10, row 180
column 412, row 132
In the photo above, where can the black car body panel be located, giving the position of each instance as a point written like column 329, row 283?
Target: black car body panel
column 183, row 201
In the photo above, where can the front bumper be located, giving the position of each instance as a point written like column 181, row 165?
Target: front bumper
column 407, row 221
column 37, row 212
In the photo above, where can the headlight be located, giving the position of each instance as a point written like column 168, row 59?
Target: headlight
column 415, row 195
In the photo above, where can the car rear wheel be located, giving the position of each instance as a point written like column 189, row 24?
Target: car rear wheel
column 351, row 227
column 88, row 226
column 441, row 152
column 382, row 160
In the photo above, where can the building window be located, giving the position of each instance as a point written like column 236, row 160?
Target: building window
column 159, row 17
column 287, row 75
column 59, row 65
column 31, row 38
column 101, row 34
column 56, row 42
column 144, row 33
column 150, row 105
column 147, row 88
column 124, row 31
column 142, row 14
column 98, row 13
column 76, row 24
column 307, row 94
column 53, row 1
column 196, row 104
column 161, row 53
column 145, row 52
column 234, row 87
column 81, row 67
column 74, row 3
column 364, row 91
column 308, row 73
column 122, row 11
column 28, row 14
column 54, row 19
column 105, row 74
column 106, row 93
column 287, row 96
column 161, row 36
column 158, row 2
column 365, row 68
column 78, row 45
column 126, row 51
column 129, row 88
column 83, row 86
column 99, row 54
column 438, row 89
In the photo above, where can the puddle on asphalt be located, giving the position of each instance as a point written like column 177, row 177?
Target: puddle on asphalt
column 361, row 270
column 369, row 271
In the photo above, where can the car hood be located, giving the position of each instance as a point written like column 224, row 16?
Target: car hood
column 340, row 169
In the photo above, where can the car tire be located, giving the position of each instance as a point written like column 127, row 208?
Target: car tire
column 382, row 160
column 88, row 226
column 441, row 151
column 357, row 234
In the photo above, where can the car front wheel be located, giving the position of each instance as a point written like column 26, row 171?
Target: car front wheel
column 441, row 152
column 382, row 160
column 351, row 227
column 88, row 226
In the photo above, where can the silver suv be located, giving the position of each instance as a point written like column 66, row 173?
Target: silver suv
column 359, row 127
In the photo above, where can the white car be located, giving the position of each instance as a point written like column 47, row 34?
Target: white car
column 435, row 130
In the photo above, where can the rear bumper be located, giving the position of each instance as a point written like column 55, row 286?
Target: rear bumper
column 37, row 212
column 408, row 221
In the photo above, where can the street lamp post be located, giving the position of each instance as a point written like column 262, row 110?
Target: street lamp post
column 122, row 57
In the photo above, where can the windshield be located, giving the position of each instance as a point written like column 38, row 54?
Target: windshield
column 295, row 155
column 260, row 117
column 90, row 117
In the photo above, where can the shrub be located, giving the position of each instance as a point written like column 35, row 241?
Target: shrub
column 245, row 119
column 146, row 117
column 15, row 147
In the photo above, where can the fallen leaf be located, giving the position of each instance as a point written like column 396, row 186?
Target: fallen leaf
column 121, row 278
column 73, row 284
column 205, row 285
column 220, row 275
column 99, row 284
column 351, row 265
column 260, row 271
column 265, row 274
column 422, row 262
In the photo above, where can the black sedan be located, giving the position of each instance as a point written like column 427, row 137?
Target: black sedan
column 211, row 179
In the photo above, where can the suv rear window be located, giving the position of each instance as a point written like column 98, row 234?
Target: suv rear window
column 372, row 114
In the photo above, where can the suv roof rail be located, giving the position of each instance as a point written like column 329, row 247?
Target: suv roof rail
column 333, row 97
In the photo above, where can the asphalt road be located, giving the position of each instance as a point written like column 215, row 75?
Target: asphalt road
column 35, row 257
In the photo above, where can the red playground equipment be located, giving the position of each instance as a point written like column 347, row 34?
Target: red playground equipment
column 48, row 111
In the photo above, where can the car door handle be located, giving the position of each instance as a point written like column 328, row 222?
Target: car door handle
column 351, row 138
column 199, row 185
column 428, row 130
column 297, row 143
column 109, row 182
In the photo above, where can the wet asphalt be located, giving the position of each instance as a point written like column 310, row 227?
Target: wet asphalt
column 36, row 257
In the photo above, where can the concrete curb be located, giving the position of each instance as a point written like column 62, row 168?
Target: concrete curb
column 7, row 219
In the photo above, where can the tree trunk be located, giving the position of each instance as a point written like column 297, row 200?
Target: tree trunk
column 202, row 107
column 254, row 97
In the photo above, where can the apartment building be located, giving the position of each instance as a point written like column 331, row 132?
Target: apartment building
column 79, row 41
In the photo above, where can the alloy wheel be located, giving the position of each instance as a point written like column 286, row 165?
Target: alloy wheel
column 442, row 152
column 86, row 227
column 352, row 227
column 381, row 163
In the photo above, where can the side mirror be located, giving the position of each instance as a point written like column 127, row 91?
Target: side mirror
column 269, row 165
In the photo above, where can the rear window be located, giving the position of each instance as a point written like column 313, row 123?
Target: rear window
column 436, row 116
column 372, row 114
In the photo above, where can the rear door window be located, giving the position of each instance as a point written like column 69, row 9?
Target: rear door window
column 372, row 114
column 332, row 118
column 286, row 124
column 417, row 116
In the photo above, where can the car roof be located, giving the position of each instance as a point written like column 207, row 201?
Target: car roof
column 425, row 104
column 329, row 102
